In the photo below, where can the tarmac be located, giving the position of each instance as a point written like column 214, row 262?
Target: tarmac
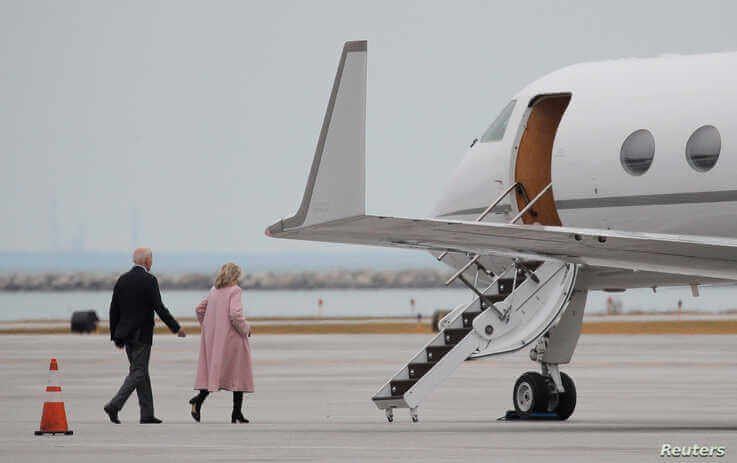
column 312, row 403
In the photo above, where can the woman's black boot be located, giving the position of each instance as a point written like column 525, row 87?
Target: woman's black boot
column 237, row 415
column 196, row 403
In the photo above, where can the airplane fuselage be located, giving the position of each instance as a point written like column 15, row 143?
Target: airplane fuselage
column 671, row 97
column 675, row 174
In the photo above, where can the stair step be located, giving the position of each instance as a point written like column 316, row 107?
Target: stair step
column 468, row 318
column 435, row 353
column 496, row 297
column 417, row 370
column 399, row 386
column 454, row 335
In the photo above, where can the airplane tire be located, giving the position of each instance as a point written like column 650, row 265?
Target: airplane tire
column 566, row 400
column 530, row 394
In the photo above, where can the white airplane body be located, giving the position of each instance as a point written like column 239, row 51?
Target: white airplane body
column 670, row 96
column 609, row 175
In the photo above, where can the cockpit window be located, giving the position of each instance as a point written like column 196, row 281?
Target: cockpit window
column 496, row 130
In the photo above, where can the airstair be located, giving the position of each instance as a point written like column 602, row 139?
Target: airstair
column 502, row 318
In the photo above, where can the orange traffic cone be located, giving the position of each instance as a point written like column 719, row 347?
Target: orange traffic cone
column 54, row 417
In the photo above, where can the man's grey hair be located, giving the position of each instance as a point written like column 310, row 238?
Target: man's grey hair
column 140, row 255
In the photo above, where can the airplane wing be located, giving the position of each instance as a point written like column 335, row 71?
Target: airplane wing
column 677, row 254
column 333, row 209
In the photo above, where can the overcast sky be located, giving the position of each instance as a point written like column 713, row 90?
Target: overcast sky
column 197, row 121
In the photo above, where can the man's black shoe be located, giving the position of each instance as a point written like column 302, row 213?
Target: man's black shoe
column 151, row 420
column 112, row 414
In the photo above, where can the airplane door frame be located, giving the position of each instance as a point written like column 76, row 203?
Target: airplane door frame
column 532, row 163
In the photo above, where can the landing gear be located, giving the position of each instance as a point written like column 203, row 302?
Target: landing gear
column 390, row 415
column 567, row 399
column 537, row 396
column 531, row 394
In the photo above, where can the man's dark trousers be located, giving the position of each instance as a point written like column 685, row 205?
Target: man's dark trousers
column 138, row 379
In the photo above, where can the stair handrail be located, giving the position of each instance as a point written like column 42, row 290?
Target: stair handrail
column 532, row 203
column 488, row 210
column 452, row 315
column 475, row 259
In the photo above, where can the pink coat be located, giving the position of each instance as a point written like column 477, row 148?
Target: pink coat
column 225, row 355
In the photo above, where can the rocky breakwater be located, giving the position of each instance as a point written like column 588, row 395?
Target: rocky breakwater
column 336, row 279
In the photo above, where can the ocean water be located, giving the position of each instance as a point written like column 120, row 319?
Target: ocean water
column 336, row 303
column 342, row 303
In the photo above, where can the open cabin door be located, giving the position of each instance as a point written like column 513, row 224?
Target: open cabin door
column 534, row 156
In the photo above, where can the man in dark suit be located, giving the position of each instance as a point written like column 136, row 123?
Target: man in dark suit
column 135, row 299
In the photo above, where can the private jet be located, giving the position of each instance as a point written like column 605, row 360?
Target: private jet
column 599, row 176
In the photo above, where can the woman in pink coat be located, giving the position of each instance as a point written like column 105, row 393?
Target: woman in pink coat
column 225, row 355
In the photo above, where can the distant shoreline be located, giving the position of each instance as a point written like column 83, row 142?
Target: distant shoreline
column 306, row 280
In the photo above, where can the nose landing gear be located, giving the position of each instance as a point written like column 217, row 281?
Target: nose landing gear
column 536, row 396
column 549, row 395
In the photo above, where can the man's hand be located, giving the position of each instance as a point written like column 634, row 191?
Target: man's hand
column 181, row 333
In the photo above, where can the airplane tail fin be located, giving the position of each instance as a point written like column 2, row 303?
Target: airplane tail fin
column 336, row 186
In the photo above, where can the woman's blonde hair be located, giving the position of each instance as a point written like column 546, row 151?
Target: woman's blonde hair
column 228, row 275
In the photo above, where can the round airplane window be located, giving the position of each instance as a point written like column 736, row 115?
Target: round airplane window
column 703, row 147
column 637, row 152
